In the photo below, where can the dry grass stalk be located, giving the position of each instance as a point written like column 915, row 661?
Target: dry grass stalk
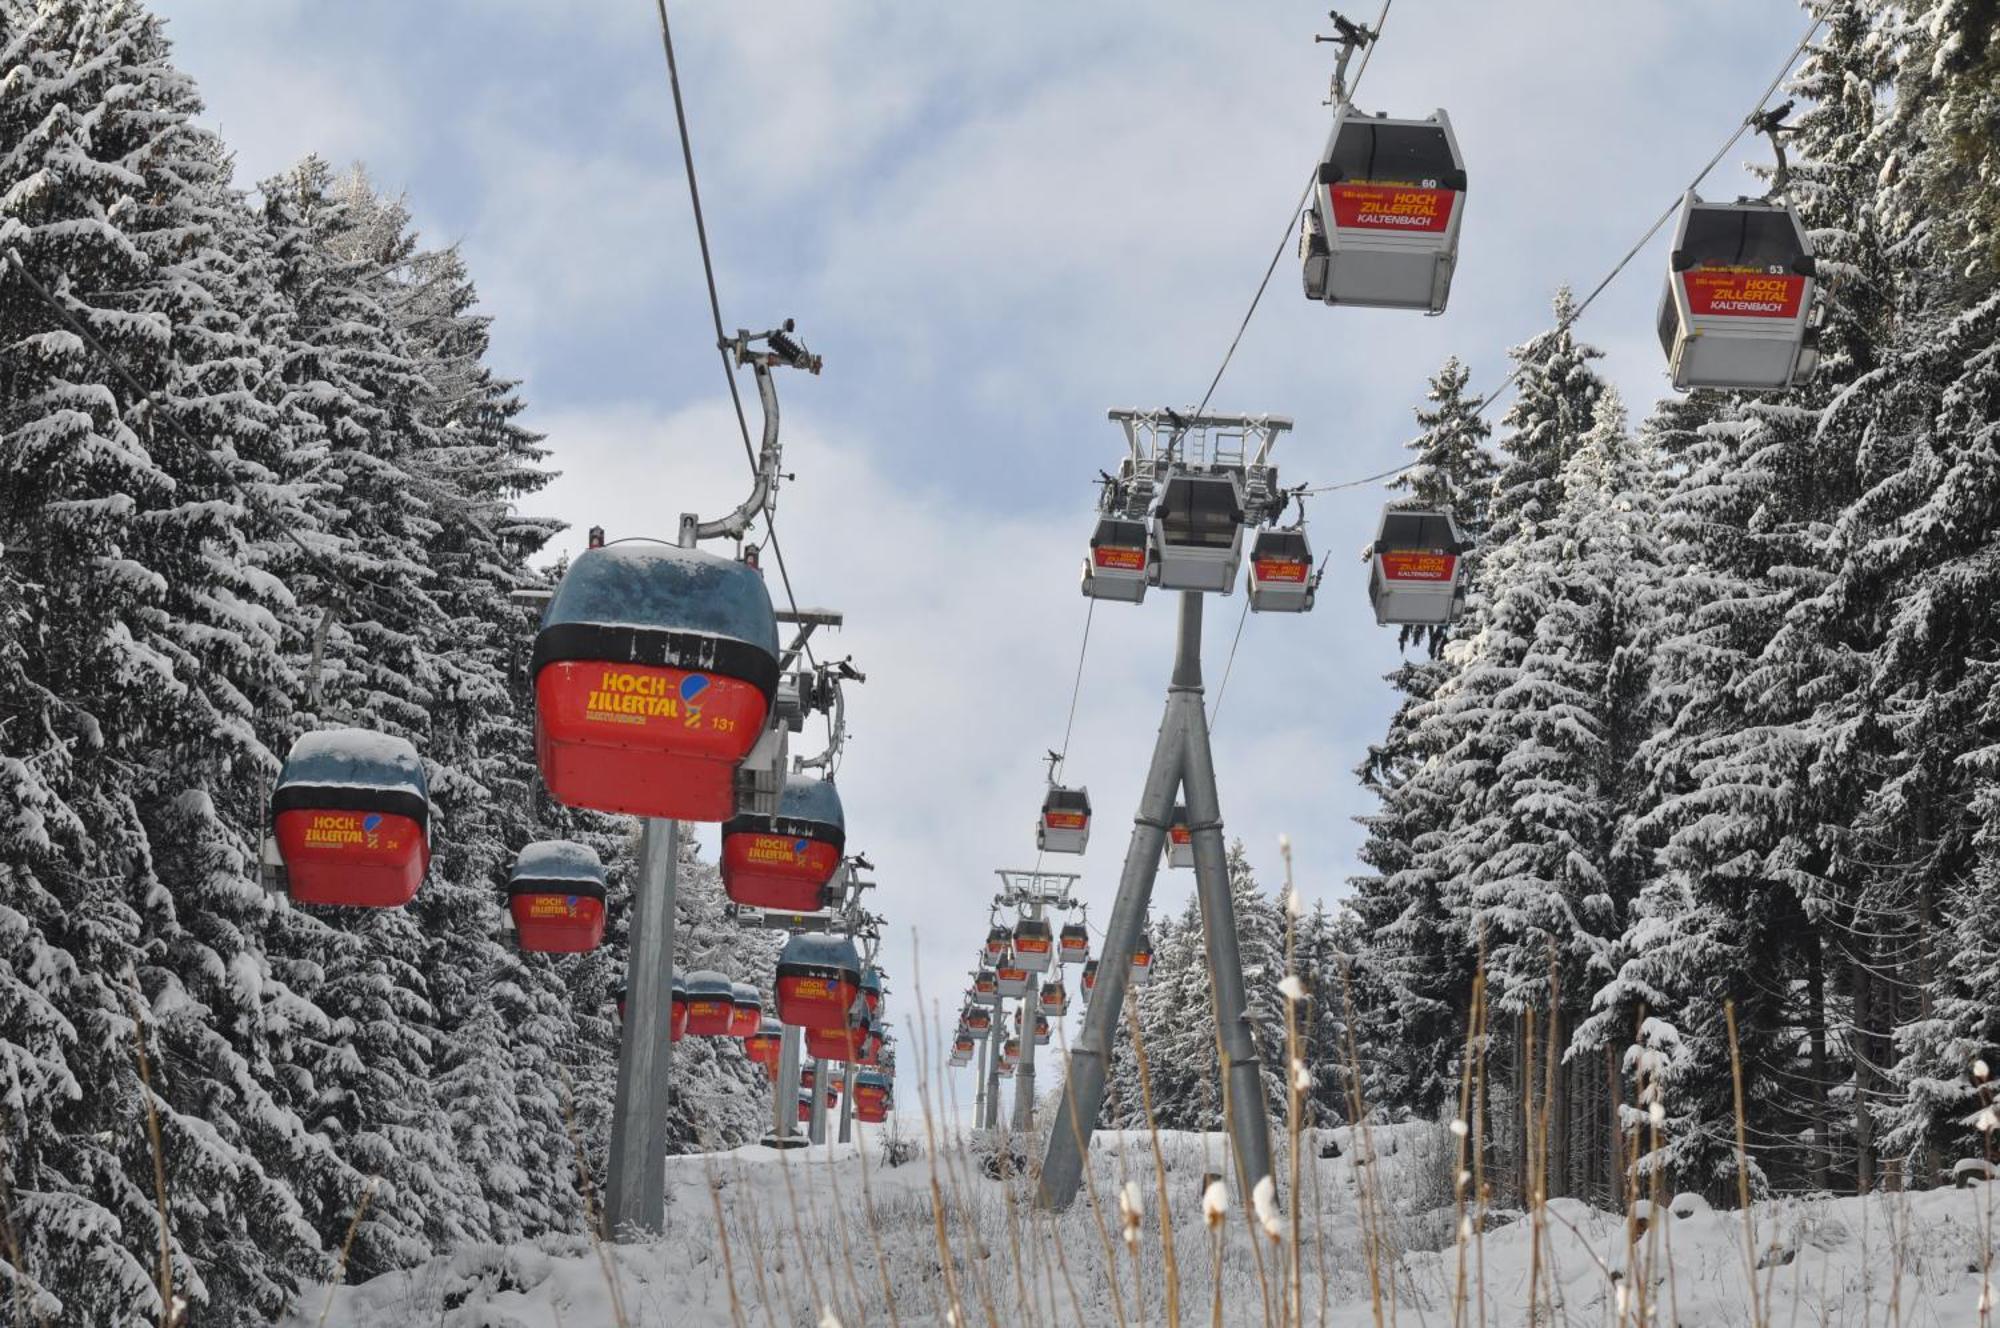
column 1757, row 1319
column 956, row 1311
column 722, row 1235
column 1461, row 1172
column 875, row 1235
column 757, row 1250
column 1361, row 1143
column 1090, row 1195
column 347, row 1245
column 171, row 1315
column 1171, row 1275
column 1296, row 1078
column 593, row 1216
column 16, row 1260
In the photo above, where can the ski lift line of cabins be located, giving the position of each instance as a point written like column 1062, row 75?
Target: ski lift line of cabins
column 1673, row 210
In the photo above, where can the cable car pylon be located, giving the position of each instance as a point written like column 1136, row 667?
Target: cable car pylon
column 1165, row 446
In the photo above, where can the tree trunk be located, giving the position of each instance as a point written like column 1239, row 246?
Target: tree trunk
column 1822, row 1145
column 1864, row 1076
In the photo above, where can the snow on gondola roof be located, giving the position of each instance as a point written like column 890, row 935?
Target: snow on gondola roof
column 664, row 587
column 355, row 758
column 558, row 860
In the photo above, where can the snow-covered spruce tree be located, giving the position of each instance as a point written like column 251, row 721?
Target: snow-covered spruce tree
column 149, row 633
column 1918, row 558
column 1421, row 929
column 1453, row 470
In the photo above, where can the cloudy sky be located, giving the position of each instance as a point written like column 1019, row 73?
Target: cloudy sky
column 996, row 221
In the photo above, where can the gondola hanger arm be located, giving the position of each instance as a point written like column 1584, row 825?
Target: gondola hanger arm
column 781, row 350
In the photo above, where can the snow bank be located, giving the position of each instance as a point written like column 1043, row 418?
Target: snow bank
column 838, row 1231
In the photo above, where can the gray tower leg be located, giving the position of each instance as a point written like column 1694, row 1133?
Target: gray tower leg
column 637, row 1189
column 997, row 1035
column 1024, row 1074
column 816, row 1127
column 983, row 1069
column 1249, row 1115
column 847, row 1102
column 785, row 1091
column 1090, row 1058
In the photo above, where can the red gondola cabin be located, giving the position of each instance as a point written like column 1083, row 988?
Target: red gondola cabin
column 711, row 1004
column 784, row 861
column 747, row 1014
column 819, row 978
column 351, row 815
column 845, row 1043
column 677, row 1019
column 556, row 897
column 765, row 1045
column 655, row 669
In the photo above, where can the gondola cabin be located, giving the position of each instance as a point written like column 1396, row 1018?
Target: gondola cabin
column 1737, row 311
column 819, row 979
column 999, row 943
column 1416, row 568
column 961, row 1059
column 1054, row 999
column 655, row 669
column 766, row 1045
column 1043, row 1030
column 1065, row 823
column 986, row 986
column 555, row 895
column 1197, row 537
column 1005, row 1069
column 1034, row 945
column 871, row 1089
column 805, row 1108
column 977, row 1019
column 1012, row 980
column 845, row 1043
column 351, row 813
column 963, row 1044
column 1281, row 564
column 1073, row 943
column 677, row 1012
column 1116, row 567
column 1180, row 838
column 711, row 1004
column 807, row 1078
column 746, row 1010
column 1142, row 961
column 784, row 861
column 1089, row 980
column 1382, row 231
column 871, row 990
column 871, row 1048
column 1010, row 1055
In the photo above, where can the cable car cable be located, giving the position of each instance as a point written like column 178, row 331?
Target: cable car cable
column 1285, row 240
column 1215, row 711
column 715, row 304
column 1749, row 122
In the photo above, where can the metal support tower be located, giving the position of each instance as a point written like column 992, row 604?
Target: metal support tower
column 785, row 1092
column 816, row 1127
column 637, row 1186
column 1182, row 762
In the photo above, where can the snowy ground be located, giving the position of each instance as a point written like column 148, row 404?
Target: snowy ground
column 803, row 1238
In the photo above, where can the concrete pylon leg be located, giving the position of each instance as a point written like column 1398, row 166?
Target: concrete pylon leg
column 1249, row 1113
column 636, row 1198
column 816, row 1126
column 1090, row 1059
column 785, row 1090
